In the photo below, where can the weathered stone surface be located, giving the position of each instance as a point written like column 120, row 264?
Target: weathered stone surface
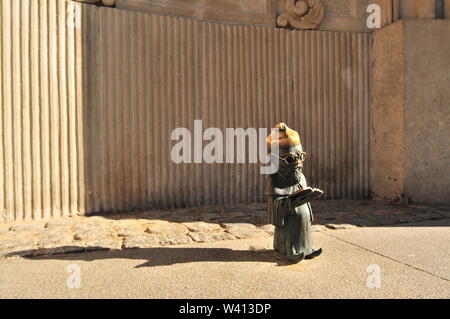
column 182, row 216
column 162, row 227
column 410, row 70
column 92, row 234
column 27, row 227
column 260, row 217
column 174, row 239
column 60, row 237
column 106, row 243
column 142, row 241
column 54, row 238
column 231, row 11
column 130, row 232
column 241, row 230
column 210, row 218
column 63, row 222
column 340, row 226
column 211, row 237
column 83, row 227
column 202, row 227
column 270, row 229
column 8, row 242
column 4, row 229
column 255, row 206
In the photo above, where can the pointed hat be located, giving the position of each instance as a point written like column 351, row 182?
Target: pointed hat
column 285, row 137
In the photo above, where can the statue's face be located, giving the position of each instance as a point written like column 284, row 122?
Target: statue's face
column 290, row 162
column 292, row 159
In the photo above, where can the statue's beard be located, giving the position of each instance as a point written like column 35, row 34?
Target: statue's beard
column 288, row 176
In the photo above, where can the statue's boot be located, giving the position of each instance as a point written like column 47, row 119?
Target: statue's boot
column 295, row 259
column 314, row 254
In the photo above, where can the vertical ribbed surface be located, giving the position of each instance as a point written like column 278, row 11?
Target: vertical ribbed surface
column 40, row 99
column 157, row 73
column 87, row 114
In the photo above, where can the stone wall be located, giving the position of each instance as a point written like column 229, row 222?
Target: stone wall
column 340, row 15
column 87, row 110
column 411, row 112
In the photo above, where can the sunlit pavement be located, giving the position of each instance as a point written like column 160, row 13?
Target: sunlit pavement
column 400, row 261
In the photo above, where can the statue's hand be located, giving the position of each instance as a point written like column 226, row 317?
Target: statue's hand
column 301, row 193
column 305, row 195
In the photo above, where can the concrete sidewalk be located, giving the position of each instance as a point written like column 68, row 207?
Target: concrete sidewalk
column 413, row 260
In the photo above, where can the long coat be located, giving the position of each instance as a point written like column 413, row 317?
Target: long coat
column 293, row 231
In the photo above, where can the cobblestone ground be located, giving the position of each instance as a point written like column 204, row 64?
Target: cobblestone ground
column 202, row 224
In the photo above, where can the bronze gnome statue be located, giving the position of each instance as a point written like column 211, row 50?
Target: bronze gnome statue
column 289, row 197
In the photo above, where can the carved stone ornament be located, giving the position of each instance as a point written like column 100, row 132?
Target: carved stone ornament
column 302, row 14
column 106, row 3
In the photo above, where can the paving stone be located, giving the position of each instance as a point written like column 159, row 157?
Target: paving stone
column 27, row 227
column 340, row 226
column 161, row 227
column 434, row 216
column 238, row 214
column 56, row 231
column 202, row 227
column 241, row 230
column 106, row 243
column 4, row 229
column 56, row 237
column 143, row 241
column 174, row 239
column 93, row 234
column 201, row 224
column 211, row 217
column 212, row 209
column 211, row 237
column 270, row 229
column 17, row 241
column 82, row 228
column 243, row 217
column 260, row 217
column 130, row 232
column 94, row 219
column 127, row 224
column 58, row 223
column 183, row 218
column 256, row 206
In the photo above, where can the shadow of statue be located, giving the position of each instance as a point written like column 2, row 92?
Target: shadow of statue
column 156, row 257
